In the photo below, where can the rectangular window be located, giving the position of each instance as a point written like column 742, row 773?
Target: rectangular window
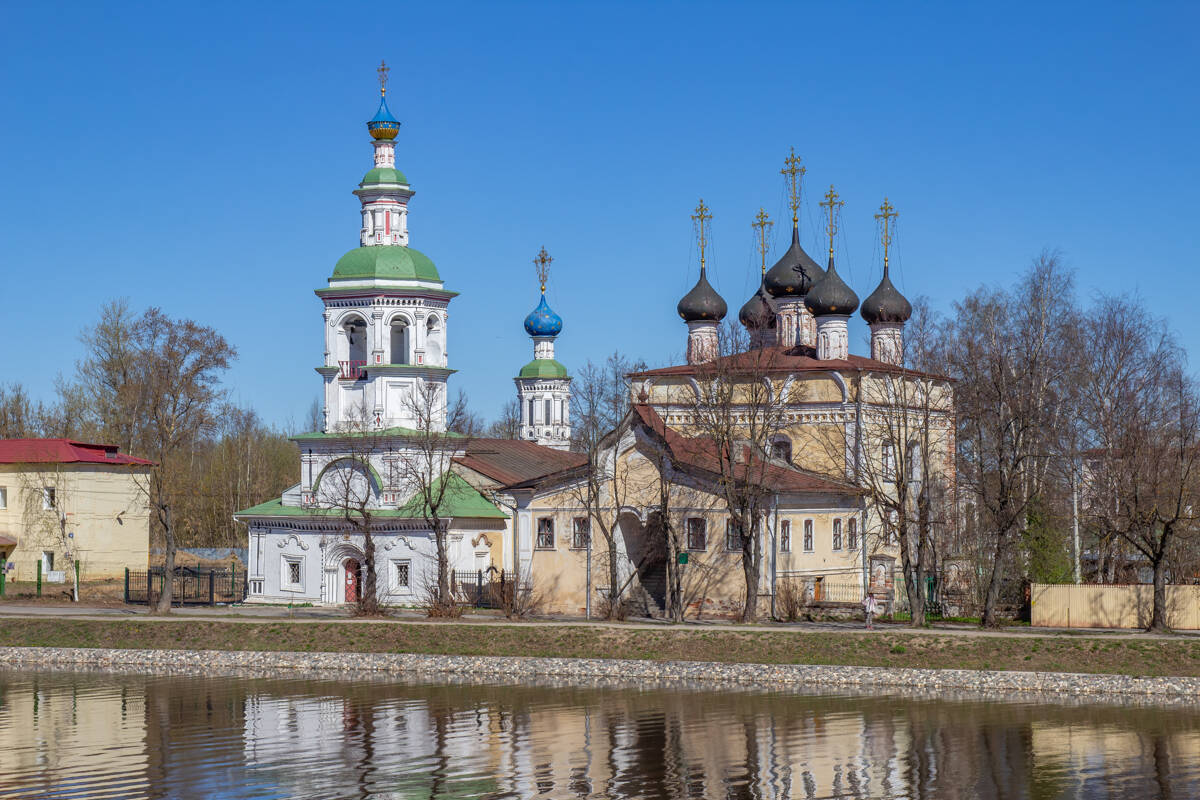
column 49, row 498
column 545, row 533
column 292, row 577
column 808, row 535
column 837, row 534
column 401, row 576
column 732, row 540
column 852, row 534
column 529, row 421
column 581, row 533
column 889, row 461
column 785, row 536
column 3, row 497
column 548, row 406
column 697, row 533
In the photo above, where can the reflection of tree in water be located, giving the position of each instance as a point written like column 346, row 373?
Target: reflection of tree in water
column 376, row 739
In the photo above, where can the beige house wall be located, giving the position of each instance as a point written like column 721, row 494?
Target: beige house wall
column 1103, row 606
column 106, row 510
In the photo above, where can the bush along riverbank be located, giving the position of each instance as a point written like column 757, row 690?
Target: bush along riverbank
column 1116, row 655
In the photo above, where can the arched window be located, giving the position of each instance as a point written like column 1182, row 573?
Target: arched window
column 785, row 536
column 837, row 534
column 400, row 339
column 433, row 341
column 781, row 449
column 352, row 355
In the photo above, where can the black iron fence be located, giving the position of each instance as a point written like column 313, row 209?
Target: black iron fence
column 189, row 586
column 485, row 588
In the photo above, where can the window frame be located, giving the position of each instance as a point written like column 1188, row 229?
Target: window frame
column 286, row 562
column 537, row 537
column 731, row 543
column 852, row 534
column 49, row 498
column 3, row 498
column 702, row 524
column 785, row 536
column 837, row 534
column 809, row 540
column 576, row 532
column 394, row 584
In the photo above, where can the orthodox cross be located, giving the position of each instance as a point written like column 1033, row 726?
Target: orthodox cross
column 793, row 172
column 383, row 73
column 831, row 205
column 763, row 224
column 542, row 265
column 886, row 214
column 701, row 217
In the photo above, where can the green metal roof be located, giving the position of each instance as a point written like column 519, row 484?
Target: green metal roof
column 386, row 261
column 384, row 175
column 461, row 500
column 543, row 368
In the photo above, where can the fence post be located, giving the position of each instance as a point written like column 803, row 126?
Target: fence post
column 39, row 578
column 3, row 573
column 77, row 580
column 127, row 585
column 149, row 584
column 212, row 597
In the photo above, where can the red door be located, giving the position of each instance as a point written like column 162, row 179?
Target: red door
column 351, row 568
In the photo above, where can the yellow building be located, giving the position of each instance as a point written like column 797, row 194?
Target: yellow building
column 63, row 501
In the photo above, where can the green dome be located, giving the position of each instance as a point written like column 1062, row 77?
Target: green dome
column 386, row 261
column 385, row 175
column 543, row 368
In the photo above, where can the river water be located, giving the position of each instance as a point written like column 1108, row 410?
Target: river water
column 81, row 734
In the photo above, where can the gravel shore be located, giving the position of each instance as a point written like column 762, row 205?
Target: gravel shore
column 1173, row 691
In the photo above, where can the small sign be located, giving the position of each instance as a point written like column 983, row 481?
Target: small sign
column 71, row 535
column 682, row 558
column 56, row 576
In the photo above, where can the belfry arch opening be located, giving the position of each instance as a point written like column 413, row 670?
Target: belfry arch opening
column 352, row 347
column 400, row 341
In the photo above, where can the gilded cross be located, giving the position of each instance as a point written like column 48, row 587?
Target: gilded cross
column 763, row 224
column 701, row 217
column 542, row 265
column 832, row 206
column 886, row 214
column 792, row 171
column 383, row 71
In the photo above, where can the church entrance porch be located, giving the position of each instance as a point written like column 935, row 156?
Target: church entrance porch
column 352, row 580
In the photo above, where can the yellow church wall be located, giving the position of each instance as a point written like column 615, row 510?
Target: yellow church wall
column 105, row 508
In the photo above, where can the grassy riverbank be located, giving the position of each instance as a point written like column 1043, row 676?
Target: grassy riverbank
column 893, row 648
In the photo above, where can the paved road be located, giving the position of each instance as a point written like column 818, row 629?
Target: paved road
column 257, row 613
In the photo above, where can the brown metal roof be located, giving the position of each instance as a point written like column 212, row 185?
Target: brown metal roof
column 510, row 461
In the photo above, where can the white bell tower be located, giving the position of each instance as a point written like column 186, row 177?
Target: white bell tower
column 543, row 386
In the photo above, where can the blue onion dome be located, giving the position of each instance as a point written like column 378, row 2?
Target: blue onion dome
column 383, row 125
column 794, row 274
column 757, row 314
column 886, row 304
column 542, row 321
column 831, row 295
column 702, row 303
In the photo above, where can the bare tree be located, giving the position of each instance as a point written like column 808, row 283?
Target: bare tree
column 508, row 424
column 1008, row 351
column 738, row 405
column 47, row 492
column 441, row 431
column 600, row 404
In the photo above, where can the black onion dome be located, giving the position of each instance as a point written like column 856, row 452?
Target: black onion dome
column 702, row 303
column 794, row 274
column 886, row 304
column 757, row 314
column 831, row 295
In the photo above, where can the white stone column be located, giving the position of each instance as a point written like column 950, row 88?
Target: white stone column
column 887, row 342
column 702, row 344
column 833, row 337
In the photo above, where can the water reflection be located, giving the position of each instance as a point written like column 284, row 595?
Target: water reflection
column 95, row 735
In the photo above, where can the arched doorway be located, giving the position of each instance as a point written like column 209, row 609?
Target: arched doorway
column 353, row 579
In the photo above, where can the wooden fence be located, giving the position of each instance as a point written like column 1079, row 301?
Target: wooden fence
column 1108, row 606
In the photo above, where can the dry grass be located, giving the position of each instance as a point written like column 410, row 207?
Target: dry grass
column 1115, row 655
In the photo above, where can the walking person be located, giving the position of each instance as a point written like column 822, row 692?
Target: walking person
column 870, row 607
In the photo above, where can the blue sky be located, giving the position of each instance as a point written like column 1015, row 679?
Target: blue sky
column 200, row 157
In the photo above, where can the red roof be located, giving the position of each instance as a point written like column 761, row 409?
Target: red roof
column 784, row 359
column 63, row 451
column 511, row 461
column 701, row 453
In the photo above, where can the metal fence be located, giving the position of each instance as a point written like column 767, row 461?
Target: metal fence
column 189, row 586
column 481, row 588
